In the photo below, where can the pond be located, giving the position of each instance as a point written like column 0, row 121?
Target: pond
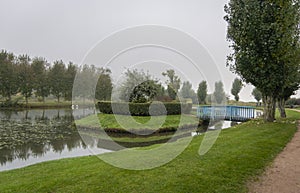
column 217, row 125
column 33, row 136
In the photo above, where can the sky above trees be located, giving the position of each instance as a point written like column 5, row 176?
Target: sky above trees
column 68, row 29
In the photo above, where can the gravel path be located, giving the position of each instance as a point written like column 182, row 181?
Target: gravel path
column 283, row 176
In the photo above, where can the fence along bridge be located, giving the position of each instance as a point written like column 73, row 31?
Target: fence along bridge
column 231, row 113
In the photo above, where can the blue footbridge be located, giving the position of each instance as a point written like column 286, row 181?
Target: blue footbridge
column 230, row 113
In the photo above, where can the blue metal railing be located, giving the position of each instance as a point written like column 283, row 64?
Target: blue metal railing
column 232, row 113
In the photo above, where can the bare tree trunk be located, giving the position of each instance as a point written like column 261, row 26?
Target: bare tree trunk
column 281, row 103
column 269, row 108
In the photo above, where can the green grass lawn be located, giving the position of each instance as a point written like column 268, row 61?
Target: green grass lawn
column 239, row 155
column 33, row 102
column 136, row 122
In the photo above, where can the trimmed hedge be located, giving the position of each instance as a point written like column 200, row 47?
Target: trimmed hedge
column 144, row 109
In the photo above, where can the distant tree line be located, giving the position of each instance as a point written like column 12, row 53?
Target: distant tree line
column 36, row 77
column 139, row 86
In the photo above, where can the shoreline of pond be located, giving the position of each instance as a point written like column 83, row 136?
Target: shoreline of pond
column 45, row 105
column 50, row 134
column 142, row 131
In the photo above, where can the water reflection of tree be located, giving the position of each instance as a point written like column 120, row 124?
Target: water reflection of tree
column 22, row 139
column 7, row 114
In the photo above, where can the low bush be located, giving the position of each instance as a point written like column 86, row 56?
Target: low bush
column 144, row 109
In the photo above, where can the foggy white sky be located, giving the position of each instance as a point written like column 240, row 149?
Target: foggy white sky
column 68, row 29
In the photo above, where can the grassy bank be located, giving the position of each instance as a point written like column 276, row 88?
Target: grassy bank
column 110, row 122
column 48, row 104
column 35, row 105
column 239, row 154
column 18, row 102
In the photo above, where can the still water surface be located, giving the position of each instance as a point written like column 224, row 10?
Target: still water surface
column 32, row 136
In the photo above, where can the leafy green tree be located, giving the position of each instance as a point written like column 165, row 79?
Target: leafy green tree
column 57, row 78
column 202, row 92
column 69, row 76
column 40, row 78
column 86, row 85
column 171, row 92
column 138, row 86
column 173, row 83
column 264, row 36
column 8, row 75
column 132, row 79
column 25, row 76
column 219, row 95
column 209, row 98
column 186, row 90
column 257, row 94
column 144, row 92
column 236, row 88
column 104, row 85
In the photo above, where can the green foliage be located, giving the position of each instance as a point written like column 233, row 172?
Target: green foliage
column 257, row 94
column 56, row 79
column 144, row 92
column 219, row 94
column 93, row 82
column 173, row 83
column 8, row 75
column 86, row 75
column 202, row 92
column 69, row 77
column 40, row 78
column 236, row 88
column 171, row 92
column 104, row 86
column 142, row 109
column 264, row 36
column 25, row 76
column 187, row 91
column 139, row 87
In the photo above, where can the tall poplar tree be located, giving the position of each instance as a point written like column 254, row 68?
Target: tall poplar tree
column 202, row 92
column 236, row 88
column 264, row 36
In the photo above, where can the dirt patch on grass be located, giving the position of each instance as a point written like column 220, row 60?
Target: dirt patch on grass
column 283, row 176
